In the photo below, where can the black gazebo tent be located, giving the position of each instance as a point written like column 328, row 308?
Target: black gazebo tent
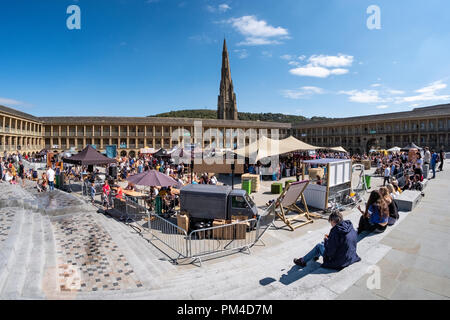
column 412, row 145
column 88, row 156
column 161, row 153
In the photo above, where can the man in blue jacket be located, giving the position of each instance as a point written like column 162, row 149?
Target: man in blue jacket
column 338, row 248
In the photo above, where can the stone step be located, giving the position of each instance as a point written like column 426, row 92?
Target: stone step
column 49, row 282
column 33, row 281
column 17, row 273
column 9, row 247
column 255, row 264
column 139, row 259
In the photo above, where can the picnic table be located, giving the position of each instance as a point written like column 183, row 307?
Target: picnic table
column 131, row 193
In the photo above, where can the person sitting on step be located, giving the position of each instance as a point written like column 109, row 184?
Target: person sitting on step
column 376, row 216
column 393, row 210
column 338, row 248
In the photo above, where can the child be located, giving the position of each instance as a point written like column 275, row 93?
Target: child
column 92, row 192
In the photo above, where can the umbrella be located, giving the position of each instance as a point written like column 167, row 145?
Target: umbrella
column 153, row 178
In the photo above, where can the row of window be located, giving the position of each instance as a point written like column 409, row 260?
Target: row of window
column 423, row 125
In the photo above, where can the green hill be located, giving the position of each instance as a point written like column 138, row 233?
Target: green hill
column 212, row 114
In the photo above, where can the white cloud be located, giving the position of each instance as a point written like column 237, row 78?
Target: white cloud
column 203, row 38
column 339, row 71
column 224, row 7
column 395, row 92
column 220, row 8
column 287, row 57
column 10, row 102
column 433, row 87
column 364, row 96
column 311, row 71
column 243, row 53
column 302, row 92
column 375, row 85
column 258, row 32
column 331, row 61
column 383, row 95
column 257, row 42
column 428, row 93
column 322, row 66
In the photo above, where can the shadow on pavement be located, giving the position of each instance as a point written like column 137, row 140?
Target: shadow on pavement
column 296, row 273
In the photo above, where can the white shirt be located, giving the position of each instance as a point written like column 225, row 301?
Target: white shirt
column 427, row 156
column 51, row 175
column 387, row 172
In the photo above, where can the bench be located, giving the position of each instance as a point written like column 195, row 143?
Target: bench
column 408, row 200
column 424, row 183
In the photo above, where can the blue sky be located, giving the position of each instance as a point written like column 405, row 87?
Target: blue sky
column 141, row 57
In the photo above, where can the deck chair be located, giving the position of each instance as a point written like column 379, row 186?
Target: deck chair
column 287, row 202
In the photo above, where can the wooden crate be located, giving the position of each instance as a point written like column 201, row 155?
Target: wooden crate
column 183, row 223
column 255, row 180
column 218, row 233
column 228, row 232
column 240, row 230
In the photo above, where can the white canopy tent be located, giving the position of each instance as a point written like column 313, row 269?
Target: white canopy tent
column 266, row 147
column 338, row 149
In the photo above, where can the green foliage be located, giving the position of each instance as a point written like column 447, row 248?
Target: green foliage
column 212, row 114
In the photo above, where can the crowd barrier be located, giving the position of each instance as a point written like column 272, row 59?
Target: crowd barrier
column 198, row 244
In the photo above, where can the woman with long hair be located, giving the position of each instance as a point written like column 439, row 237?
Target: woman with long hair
column 375, row 217
column 393, row 210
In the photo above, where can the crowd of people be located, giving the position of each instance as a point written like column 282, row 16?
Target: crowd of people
column 338, row 249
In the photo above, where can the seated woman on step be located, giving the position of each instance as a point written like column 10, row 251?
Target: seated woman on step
column 393, row 210
column 376, row 216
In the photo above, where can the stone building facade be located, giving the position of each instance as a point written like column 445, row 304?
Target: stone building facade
column 25, row 133
column 428, row 126
column 20, row 131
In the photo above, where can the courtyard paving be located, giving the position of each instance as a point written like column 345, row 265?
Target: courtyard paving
column 84, row 254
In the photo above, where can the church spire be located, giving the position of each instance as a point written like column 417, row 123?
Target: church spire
column 226, row 107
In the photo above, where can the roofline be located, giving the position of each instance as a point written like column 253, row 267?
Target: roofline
column 18, row 113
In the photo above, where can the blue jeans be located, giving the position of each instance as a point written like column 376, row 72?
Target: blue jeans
column 433, row 167
column 51, row 185
column 316, row 252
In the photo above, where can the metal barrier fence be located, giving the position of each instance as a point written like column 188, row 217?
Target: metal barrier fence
column 239, row 235
column 236, row 236
column 170, row 234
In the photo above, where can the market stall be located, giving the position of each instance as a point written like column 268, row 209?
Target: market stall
column 336, row 178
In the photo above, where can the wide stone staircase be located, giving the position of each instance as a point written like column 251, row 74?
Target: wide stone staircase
column 37, row 249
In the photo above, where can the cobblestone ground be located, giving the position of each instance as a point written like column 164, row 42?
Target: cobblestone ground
column 6, row 220
column 88, row 259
